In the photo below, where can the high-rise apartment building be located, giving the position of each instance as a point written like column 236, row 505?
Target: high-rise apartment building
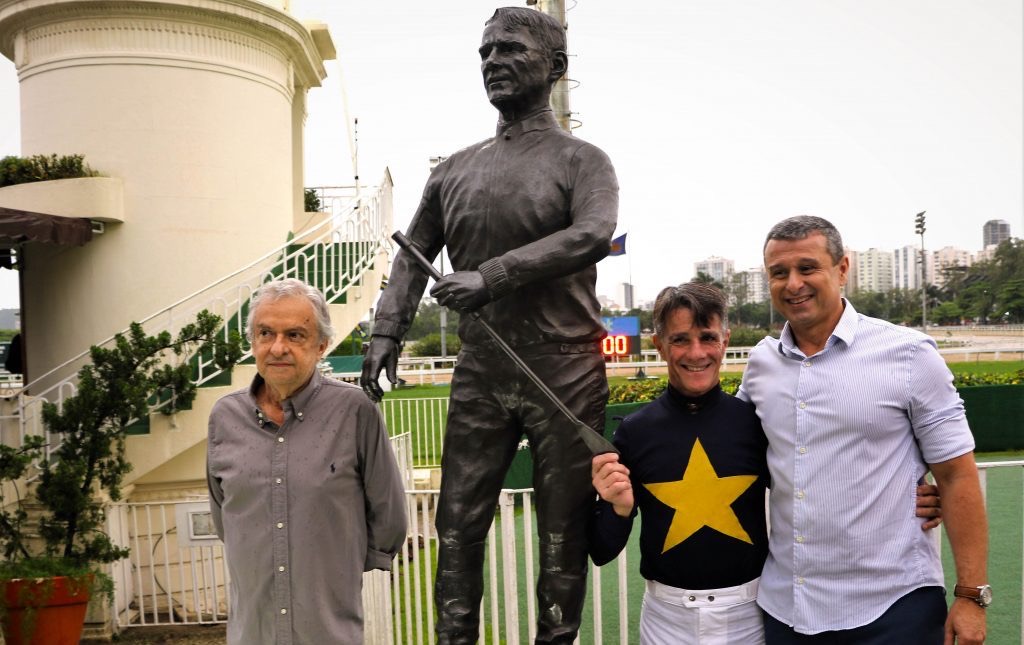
column 625, row 295
column 906, row 268
column 754, row 285
column 948, row 259
column 720, row 269
column 995, row 232
column 874, row 270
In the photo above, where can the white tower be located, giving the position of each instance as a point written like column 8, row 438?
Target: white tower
column 193, row 112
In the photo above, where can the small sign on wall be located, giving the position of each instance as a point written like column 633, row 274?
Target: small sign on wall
column 195, row 524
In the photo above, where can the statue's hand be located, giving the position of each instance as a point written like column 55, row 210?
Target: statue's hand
column 381, row 354
column 462, row 290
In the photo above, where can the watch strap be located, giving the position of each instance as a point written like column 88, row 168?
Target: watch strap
column 981, row 595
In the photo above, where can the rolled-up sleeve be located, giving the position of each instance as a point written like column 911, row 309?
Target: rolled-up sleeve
column 936, row 410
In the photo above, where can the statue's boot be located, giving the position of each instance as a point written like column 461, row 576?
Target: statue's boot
column 458, row 589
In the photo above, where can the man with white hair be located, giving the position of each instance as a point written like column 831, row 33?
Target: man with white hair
column 304, row 488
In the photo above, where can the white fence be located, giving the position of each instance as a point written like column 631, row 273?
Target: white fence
column 423, row 420
column 167, row 581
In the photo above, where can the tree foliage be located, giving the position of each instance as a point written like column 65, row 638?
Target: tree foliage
column 428, row 321
column 430, row 345
column 117, row 387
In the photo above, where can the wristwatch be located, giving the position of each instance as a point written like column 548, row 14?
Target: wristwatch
column 981, row 595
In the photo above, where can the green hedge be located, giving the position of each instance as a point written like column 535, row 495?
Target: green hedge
column 995, row 413
column 651, row 389
column 24, row 170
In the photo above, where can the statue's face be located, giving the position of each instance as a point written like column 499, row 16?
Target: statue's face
column 515, row 67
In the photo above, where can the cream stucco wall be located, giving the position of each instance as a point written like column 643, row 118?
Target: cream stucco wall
column 196, row 108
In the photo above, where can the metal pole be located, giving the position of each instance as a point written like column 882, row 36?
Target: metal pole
column 444, row 320
column 560, row 92
column 919, row 229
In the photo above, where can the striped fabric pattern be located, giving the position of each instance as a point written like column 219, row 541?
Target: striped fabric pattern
column 851, row 430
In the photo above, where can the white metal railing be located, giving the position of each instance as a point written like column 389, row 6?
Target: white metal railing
column 165, row 582
column 332, row 255
column 423, row 420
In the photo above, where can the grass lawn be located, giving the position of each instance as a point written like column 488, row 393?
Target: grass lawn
column 987, row 367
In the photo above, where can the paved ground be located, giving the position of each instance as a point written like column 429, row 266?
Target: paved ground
column 192, row 635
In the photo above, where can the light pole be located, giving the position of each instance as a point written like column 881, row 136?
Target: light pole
column 434, row 161
column 919, row 229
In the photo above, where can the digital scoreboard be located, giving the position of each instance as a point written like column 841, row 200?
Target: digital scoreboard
column 623, row 337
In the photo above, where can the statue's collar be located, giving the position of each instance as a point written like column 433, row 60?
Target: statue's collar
column 542, row 119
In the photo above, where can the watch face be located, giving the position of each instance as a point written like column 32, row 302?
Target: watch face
column 985, row 598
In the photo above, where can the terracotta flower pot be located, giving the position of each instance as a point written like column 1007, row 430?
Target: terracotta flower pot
column 45, row 611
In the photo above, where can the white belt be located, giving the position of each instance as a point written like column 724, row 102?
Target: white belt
column 704, row 597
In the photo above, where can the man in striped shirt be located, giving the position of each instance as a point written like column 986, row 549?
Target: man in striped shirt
column 845, row 397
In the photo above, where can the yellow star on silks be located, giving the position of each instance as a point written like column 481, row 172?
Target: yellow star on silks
column 702, row 498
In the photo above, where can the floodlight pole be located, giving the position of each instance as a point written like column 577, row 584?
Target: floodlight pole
column 919, row 229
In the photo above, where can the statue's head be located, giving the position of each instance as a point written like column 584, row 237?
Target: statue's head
column 522, row 54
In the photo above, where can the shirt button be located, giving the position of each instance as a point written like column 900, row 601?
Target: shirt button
column 807, row 363
column 692, row 598
column 802, row 405
column 283, row 610
column 298, row 414
column 711, row 599
column 803, row 450
column 800, row 539
column 280, row 440
column 799, row 494
column 281, row 569
column 280, row 525
column 277, row 481
column 799, row 581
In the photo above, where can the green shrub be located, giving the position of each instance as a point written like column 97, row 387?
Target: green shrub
column 648, row 390
column 748, row 336
column 23, row 170
column 430, row 345
column 312, row 201
column 639, row 391
column 968, row 379
column 345, row 347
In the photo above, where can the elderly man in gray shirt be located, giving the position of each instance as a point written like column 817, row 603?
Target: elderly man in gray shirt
column 304, row 488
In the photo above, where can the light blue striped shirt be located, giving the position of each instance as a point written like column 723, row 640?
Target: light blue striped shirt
column 850, row 431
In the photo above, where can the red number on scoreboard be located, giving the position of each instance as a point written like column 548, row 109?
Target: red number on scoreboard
column 615, row 345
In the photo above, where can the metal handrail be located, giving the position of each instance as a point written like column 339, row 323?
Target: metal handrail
column 359, row 223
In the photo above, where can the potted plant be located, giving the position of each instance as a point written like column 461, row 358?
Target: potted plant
column 53, row 549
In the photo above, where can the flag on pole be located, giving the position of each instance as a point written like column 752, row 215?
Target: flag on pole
column 618, row 245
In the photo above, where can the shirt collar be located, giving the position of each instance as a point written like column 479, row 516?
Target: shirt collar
column 844, row 331
column 296, row 403
column 694, row 404
column 542, row 119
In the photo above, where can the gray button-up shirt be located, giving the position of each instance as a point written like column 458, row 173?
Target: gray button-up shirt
column 304, row 509
column 533, row 209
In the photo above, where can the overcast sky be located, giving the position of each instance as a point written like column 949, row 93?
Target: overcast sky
column 721, row 116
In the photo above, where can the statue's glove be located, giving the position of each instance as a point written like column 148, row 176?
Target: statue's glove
column 381, row 354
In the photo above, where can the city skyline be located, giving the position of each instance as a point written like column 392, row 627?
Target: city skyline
column 720, row 118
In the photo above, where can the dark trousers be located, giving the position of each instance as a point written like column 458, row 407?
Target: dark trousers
column 492, row 406
column 917, row 618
